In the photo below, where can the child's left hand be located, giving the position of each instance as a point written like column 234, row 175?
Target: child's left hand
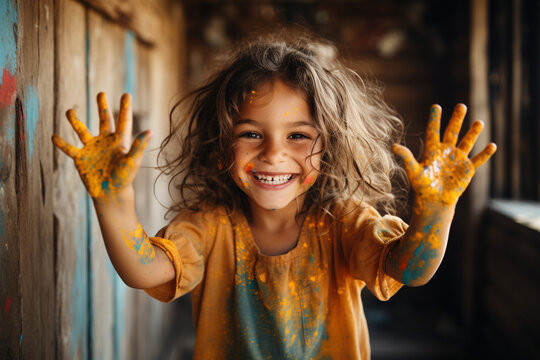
column 445, row 170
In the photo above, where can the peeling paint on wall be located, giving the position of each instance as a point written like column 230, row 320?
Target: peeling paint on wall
column 130, row 58
column 8, row 42
column 79, row 304
column 8, row 87
column 31, row 111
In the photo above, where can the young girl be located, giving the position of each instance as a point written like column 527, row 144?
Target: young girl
column 284, row 156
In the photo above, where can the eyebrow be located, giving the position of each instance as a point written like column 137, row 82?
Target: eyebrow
column 294, row 124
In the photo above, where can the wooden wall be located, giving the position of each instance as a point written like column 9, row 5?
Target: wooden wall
column 60, row 295
column 509, row 293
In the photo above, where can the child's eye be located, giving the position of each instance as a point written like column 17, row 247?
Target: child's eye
column 299, row 136
column 250, row 135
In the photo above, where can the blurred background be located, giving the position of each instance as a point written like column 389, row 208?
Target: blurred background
column 59, row 293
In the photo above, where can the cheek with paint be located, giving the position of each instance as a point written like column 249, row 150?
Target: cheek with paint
column 138, row 241
column 248, row 169
column 309, row 181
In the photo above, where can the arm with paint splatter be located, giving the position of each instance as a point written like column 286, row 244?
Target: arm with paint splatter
column 438, row 181
column 107, row 169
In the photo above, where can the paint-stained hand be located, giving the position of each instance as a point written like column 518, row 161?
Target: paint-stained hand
column 105, row 164
column 445, row 169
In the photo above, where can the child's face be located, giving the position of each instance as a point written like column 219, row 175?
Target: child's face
column 274, row 137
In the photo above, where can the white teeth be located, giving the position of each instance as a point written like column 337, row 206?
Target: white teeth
column 273, row 180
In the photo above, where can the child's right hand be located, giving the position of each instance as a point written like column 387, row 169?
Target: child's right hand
column 105, row 165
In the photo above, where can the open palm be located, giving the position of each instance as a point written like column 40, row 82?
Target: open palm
column 445, row 169
column 104, row 163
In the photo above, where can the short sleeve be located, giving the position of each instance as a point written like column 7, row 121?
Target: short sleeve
column 183, row 242
column 366, row 240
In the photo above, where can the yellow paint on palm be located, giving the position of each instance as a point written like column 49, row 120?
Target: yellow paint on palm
column 104, row 164
column 438, row 180
column 138, row 240
column 445, row 170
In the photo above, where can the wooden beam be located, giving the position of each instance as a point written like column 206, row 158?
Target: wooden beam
column 34, row 165
column 143, row 17
column 70, row 203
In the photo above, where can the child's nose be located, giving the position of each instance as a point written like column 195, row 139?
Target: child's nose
column 273, row 152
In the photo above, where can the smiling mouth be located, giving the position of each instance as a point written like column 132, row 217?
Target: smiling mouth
column 273, row 180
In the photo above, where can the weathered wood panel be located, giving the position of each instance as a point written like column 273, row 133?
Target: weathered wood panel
column 60, row 295
column 10, row 299
column 105, row 44
column 71, row 203
column 34, row 168
column 127, row 310
column 139, row 15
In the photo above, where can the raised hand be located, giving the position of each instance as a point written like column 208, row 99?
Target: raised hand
column 105, row 164
column 445, row 170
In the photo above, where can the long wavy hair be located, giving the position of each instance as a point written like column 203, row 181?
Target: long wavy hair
column 356, row 127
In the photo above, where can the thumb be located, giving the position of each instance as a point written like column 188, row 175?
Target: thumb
column 139, row 144
column 409, row 162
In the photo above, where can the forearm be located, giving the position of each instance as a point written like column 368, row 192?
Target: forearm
column 140, row 264
column 415, row 258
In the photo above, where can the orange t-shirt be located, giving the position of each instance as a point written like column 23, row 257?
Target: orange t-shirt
column 304, row 304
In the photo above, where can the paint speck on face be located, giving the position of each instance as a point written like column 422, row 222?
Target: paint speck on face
column 287, row 113
column 249, row 168
column 252, row 96
column 308, row 180
column 244, row 183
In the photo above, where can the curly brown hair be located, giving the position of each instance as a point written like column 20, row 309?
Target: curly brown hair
column 356, row 127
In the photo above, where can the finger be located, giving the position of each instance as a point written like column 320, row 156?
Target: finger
column 125, row 121
column 466, row 144
column 409, row 162
column 433, row 130
column 484, row 155
column 106, row 122
column 69, row 149
column 454, row 125
column 78, row 126
column 140, row 143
